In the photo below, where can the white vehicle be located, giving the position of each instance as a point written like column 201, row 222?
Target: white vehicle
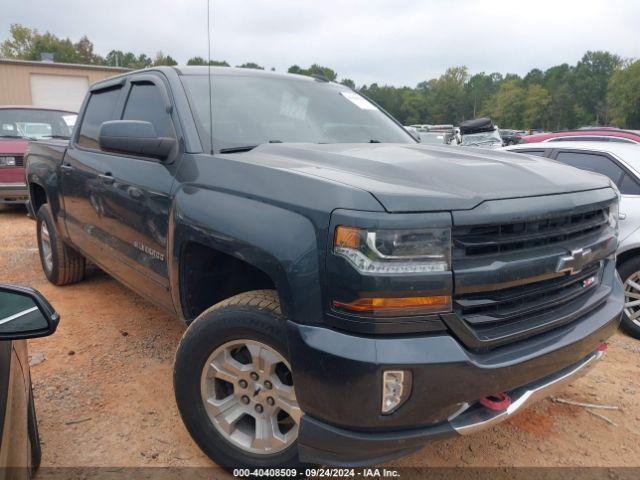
column 621, row 163
column 479, row 133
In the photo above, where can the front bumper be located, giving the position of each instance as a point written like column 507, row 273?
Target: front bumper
column 338, row 384
column 13, row 193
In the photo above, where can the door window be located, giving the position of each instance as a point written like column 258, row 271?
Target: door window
column 146, row 103
column 593, row 162
column 101, row 108
column 629, row 186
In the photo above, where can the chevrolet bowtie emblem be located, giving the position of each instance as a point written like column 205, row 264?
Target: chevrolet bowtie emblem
column 575, row 262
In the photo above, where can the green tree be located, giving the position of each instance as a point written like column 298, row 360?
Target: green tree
column 563, row 111
column 251, row 65
column 507, row 105
column 590, row 81
column 478, row 90
column 535, row 107
column 624, row 96
column 117, row 58
column 535, row 76
column 20, row 43
column 315, row 69
column 348, row 83
column 446, row 96
column 162, row 59
column 84, row 50
column 202, row 61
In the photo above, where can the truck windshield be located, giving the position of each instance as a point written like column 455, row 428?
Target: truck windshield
column 251, row 110
column 35, row 124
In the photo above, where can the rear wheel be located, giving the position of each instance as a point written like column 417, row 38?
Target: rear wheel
column 234, row 387
column 61, row 263
column 630, row 274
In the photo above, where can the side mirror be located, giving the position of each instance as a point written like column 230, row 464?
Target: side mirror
column 25, row 313
column 134, row 137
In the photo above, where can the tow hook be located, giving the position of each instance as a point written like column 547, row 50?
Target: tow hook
column 497, row 402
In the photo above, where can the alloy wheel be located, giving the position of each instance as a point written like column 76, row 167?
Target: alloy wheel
column 632, row 298
column 45, row 244
column 247, row 391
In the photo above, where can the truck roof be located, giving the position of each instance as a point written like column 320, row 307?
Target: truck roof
column 203, row 70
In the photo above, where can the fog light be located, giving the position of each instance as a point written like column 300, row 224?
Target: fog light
column 396, row 387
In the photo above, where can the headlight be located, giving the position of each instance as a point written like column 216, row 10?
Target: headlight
column 395, row 251
column 7, row 161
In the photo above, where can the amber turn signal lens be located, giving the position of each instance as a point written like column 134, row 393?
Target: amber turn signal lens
column 396, row 306
column 347, row 237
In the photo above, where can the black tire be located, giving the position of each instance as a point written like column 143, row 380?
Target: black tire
column 252, row 315
column 34, row 435
column 67, row 265
column 626, row 270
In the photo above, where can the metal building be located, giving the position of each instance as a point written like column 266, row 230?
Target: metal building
column 48, row 84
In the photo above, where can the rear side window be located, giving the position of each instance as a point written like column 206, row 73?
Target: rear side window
column 594, row 163
column 146, row 103
column 101, row 108
column 539, row 153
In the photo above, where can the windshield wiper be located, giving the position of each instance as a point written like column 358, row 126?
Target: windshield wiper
column 374, row 141
column 63, row 137
column 246, row 148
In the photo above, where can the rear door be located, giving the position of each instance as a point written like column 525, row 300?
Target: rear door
column 136, row 195
column 82, row 172
column 606, row 164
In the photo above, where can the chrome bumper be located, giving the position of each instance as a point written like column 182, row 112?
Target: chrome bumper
column 477, row 417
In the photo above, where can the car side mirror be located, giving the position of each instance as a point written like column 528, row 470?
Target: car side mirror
column 25, row 313
column 134, row 137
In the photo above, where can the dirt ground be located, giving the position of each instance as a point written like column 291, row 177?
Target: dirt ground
column 104, row 396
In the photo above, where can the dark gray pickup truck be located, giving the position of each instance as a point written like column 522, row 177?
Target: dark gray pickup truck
column 350, row 294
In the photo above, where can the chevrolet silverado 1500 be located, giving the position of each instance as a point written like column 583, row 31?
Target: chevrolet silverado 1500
column 350, row 293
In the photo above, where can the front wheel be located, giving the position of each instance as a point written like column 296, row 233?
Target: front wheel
column 234, row 387
column 630, row 274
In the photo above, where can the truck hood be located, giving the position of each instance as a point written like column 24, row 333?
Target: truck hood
column 418, row 178
column 13, row 147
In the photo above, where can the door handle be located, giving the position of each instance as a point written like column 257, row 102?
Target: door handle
column 65, row 167
column 622, row 216
column 107, row 178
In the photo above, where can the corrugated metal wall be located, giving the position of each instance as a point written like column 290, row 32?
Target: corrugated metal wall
column 15, row 83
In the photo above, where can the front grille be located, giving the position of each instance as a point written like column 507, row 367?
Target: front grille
column 470, row 241
column 498, row 313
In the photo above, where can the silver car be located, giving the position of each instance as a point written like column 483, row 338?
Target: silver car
column 621, row 163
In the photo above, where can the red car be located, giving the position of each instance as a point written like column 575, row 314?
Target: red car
column 18, row 125
column 601, row 134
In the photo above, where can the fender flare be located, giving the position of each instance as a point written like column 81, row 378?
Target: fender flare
column 278, row 241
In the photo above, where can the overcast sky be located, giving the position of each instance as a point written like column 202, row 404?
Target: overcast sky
column 398, row 42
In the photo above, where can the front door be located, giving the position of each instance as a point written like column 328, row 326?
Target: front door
column 135, row 196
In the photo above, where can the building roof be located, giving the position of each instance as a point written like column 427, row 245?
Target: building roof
column 80, row 66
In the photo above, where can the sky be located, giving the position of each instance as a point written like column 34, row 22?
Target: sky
column 394, row 42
